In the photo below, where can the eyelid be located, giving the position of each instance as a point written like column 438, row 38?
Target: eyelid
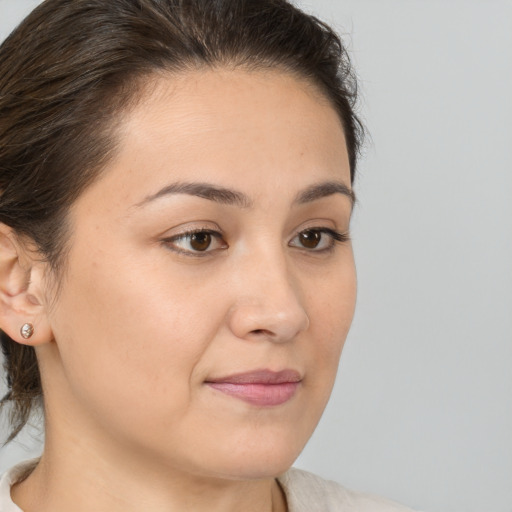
column 170, row 241
column 193, row 231
column 335, row 237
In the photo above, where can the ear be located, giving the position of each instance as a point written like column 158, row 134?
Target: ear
column 22, row 298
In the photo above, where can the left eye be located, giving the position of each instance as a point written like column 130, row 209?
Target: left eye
column 196, row 242
column 317, row 239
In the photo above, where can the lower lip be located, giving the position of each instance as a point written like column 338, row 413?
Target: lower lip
column 258, row 394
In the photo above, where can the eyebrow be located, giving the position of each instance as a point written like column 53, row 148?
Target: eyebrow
column 235, row 198
column 204, row 190
column 325, row 189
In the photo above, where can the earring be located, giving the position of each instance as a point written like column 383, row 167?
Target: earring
column 27, row 330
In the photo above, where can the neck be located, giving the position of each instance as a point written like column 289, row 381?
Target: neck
column 80, row 478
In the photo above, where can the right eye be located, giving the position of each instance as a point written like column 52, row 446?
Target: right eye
column 196, row 243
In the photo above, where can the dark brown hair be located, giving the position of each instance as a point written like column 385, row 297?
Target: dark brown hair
column 72, row 67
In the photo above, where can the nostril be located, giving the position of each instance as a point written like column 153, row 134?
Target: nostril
column 261, row 331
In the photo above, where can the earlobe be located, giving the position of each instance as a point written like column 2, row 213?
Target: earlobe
column 26, row 331
column 22, row 314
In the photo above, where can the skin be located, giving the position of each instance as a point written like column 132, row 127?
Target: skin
column 142, row 320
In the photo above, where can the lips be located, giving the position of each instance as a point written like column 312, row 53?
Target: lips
column 260, row 388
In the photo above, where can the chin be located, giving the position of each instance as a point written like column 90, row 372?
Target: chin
column 257, row 460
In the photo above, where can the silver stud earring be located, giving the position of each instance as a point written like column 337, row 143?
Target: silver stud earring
column 27, row 330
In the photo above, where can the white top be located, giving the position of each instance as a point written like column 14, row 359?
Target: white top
column 304, row 492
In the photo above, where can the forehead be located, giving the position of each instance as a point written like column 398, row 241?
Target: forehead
column 227, row 97
column 233, row 127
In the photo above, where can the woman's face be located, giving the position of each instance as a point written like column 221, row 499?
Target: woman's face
column 210, row 282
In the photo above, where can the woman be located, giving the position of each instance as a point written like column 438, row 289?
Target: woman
column 177, row 279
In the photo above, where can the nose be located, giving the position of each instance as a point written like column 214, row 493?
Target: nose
column 267, row 302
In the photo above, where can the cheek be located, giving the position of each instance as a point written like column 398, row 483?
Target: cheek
column 331, row 312
column 135, row 338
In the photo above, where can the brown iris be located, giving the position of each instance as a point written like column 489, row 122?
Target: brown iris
column 310, row 239
column 200, row 241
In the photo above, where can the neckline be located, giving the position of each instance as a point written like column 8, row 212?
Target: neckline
column 22, row 470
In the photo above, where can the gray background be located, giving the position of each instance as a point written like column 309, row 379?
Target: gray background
column 422, row 409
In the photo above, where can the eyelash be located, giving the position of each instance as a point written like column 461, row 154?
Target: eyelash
column 335, row 237
column 171, row 242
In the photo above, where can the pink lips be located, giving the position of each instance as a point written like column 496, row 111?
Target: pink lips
column 261, row 387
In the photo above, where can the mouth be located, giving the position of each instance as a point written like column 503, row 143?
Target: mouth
column 262, row 388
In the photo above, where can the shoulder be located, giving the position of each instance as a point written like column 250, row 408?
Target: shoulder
column 306, row 492
column 10, row 477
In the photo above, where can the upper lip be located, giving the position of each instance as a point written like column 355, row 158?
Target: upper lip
column 260, row 377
